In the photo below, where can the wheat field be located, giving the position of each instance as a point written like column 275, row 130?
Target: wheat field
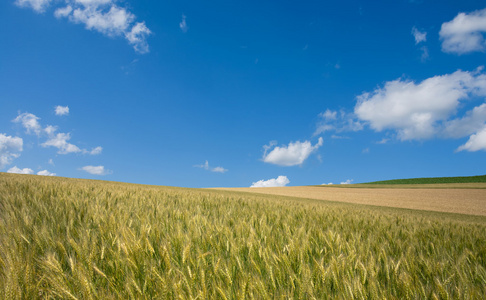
column 80, row 239
column 462, row 198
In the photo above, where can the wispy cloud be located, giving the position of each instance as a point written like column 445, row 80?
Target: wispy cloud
column 349, row 181
column 55, row 139
column 291, row 155
column 465, row 33
column 274, row 182
column 183, row 24
column 205, row 166
column 420, row 36
column 103, row 16
column 337, row 121
column 37, row 5
column 10, row 148
column 96, row 170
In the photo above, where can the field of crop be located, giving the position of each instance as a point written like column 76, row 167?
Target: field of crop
column 79, row 239
column 434, row 180
column 463, row 198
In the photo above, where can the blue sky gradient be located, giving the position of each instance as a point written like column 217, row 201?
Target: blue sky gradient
column 230, row 94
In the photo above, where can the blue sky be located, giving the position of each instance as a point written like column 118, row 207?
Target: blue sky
column 234, row 94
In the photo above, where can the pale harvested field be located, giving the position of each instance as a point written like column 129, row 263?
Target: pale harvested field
column 471, row 201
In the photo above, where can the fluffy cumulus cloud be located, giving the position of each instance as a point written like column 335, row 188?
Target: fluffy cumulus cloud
column 60, row 141
column 419, row 111
column 476, row 142
column 348, row 181
column 17, row 170
column 10, row 148
column 206, row 166
column 62, row 110
column 292, row 155
column 103, row 16
column 274, row 182
column 30, row 122
column 96, row 170
column 46, row 173
column 465, row 33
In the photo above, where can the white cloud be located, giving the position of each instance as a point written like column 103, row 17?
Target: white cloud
column 96, row 170
column 330, row 183
column 332, row 120
column 349, row 181
column 419, row 35
column 470, row 123
column 46, row 173
column 59, row 141
column 9, row 148
column 419, row 111
column 274, row 182
column 219, row 170
column 17, row 170
column 476, row 142
column 50, row 129
column 62, row 110
column 138, row 37
column 205, row 166
column 465, row 33
column 113, row 22
column 95, row 151
column 63, row 12
column 95, row 3
column 183, row 25
column 104, row 16
column 29, row 122
column 292, row 155
column 383, row 141
column 37, row 5
column 425, row 53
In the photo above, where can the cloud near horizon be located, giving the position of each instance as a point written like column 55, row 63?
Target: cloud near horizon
column 10, row 148
column 292, row 155
column 103, row 16
column 274, row 182
column 16, row 170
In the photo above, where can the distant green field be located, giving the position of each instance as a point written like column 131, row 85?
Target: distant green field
column 433, row 180
column 66, row 238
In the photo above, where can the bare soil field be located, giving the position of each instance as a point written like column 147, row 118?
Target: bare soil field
column 453, row 198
